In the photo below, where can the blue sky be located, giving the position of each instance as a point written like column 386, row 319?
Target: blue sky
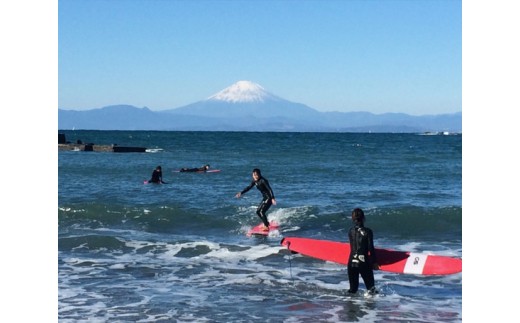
column 376, row 56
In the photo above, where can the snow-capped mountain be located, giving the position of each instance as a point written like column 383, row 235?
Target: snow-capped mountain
column 246, row 99
column 244, row 92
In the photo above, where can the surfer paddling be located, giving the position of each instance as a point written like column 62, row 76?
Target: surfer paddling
column 362, row 259
column 196, row 169
column 262, row 184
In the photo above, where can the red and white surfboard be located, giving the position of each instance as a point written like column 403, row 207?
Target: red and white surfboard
column 389, row 260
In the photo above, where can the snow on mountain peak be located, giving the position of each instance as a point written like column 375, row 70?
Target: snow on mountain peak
column 243, row 91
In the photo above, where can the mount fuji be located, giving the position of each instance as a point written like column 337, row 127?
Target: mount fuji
column 247, row 106
column 244, row 92
column 247, row 100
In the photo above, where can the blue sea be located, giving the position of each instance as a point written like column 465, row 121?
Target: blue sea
column 178, row 252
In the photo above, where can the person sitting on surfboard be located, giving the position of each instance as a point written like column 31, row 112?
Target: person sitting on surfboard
column 199, row 169
column 157, row 176
column 262, row 184
column 362, row 259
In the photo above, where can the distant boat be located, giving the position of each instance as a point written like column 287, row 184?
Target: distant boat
column 437, row 133
column 121, row 149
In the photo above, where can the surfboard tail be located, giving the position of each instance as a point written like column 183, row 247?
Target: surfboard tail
column 258, row 230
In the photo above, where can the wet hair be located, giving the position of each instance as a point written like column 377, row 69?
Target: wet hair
column 358, row 215
column 257, row 170
column 158, row 167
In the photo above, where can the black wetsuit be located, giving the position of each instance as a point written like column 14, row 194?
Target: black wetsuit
column 362, row 257
column 200, row 169
column 156, row 177
column 267, row 197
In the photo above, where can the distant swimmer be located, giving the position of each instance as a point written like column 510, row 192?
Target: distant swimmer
column 196, row 169
column 157, row 176
column 262, row 184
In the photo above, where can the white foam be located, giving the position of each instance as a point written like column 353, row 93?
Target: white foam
column 250, row 254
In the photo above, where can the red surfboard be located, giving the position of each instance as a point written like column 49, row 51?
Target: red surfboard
column 199, row 171
column 394, row 261
column 257, row 230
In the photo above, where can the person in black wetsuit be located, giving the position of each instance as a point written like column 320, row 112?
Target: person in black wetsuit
column 362, row 259
column 268, row 199
column 199, row 169
column 157, row 176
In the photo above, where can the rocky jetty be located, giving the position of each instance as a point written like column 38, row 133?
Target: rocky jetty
column 86, row 147
column 63, row 144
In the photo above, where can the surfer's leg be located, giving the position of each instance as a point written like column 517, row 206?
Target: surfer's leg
column 368, row 277
column 261, row 211
column 353, row 279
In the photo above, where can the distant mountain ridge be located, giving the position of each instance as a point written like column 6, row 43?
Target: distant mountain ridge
column 246, row 106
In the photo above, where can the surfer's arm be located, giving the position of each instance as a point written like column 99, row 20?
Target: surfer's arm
column 273, row 199
column 269, row 190
column 372, row 250
column 245, row 189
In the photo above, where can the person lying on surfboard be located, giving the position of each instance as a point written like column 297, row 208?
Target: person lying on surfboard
column 262, row 184
column 362, row 259
column 157, row 176
column 199, row 169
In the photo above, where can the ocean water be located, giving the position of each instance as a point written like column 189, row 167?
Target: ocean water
column 178, row 252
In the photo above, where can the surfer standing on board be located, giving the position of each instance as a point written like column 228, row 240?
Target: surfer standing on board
column 262, row 184
column 157, row 176
column 362, row 259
